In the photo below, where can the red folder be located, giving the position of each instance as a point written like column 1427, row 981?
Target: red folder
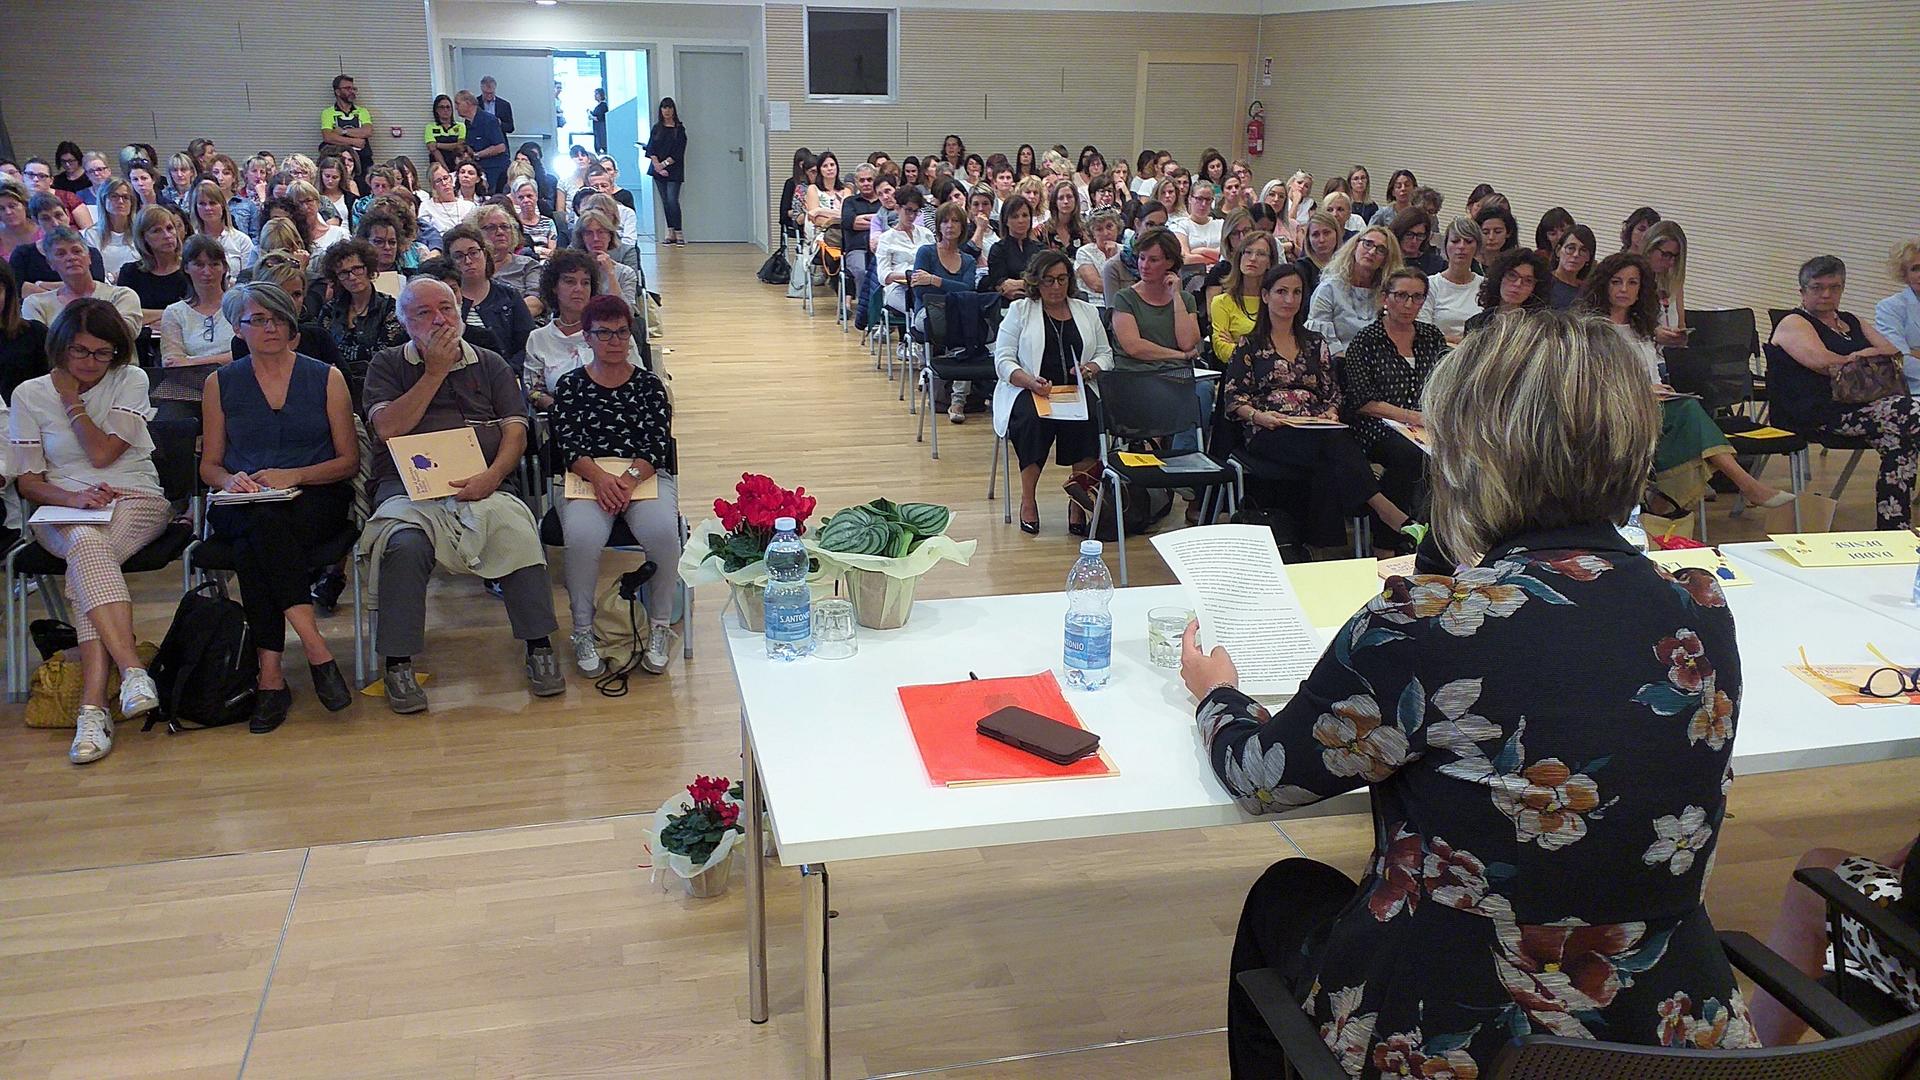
column 943, row 718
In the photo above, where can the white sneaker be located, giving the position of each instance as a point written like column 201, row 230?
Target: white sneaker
column 138, row 695
column 659, row 649
column 93, row 738
column 586, row 653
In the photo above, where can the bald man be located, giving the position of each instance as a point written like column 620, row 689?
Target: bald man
column 438, row 382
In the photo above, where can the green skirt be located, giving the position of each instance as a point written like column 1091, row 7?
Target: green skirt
column 1688, row 436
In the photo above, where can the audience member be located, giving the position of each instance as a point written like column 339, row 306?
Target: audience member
column 347, row 124
column 1154, row 323
column 1511, row 284
column 23, row 341
column 485, row 302
column 1897, row 318
column 1322, row 241
column 1234, row 230
column 1665, row 247
column 1554, row 224
column 210, row 219
column 486, row 142
column 1414, row 230
column 71, row 260
column 30, row 261
column 279, row 420
column 1498, row 233
column 17, row 227
column 470, row 184
column 362, row 321
column 1236, row 309
column 1386, row 372
column 1453, row 296
column 1572, row 259
column 942, row 265
column 1199, row 231
column 1633, row 231
column 436, row 382
column 112, row 232
column 195, row 337
column 539, row 234
column 78, row 437
column 311, row 338
column 595, row 236
column 1063, row 231
column 444, row 208
column 1360, row 191
column 1806, row 346
column 896, row 250
column 567, row 283
column 614, row 408
column 158, row 276
column 1123, row 269
column 1347, row 300
column 823, row 201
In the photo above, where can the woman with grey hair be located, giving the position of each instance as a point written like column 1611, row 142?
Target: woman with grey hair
column 278, row 420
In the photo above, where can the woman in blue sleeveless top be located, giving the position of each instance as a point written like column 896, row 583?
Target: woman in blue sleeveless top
column 279, row 420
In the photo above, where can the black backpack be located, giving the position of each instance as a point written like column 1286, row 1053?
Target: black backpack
column 206, row 667
column 775, row 270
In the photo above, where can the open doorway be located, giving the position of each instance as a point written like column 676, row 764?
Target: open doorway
column 623, row 76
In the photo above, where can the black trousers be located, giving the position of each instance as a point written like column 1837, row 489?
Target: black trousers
column 1287, row 914
column 273, row 545
column 1332, row 467
column 1031, row 435
column 1405, row 479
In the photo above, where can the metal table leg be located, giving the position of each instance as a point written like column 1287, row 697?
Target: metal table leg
column 816, row 992
column 751, row 795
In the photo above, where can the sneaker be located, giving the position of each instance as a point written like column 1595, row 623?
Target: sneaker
column 659, row 649
column 270, row 708
column 94, row 735
column 543, row 673
column 403, row 690
column 138, row 695
column 586, row 653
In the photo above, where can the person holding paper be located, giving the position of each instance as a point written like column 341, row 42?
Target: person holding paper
column 1281, row 370
column 1049, row 337
column 78, row 438
column 614, row 426
column 1547, row 734
column 436, row 382
column 277, row 420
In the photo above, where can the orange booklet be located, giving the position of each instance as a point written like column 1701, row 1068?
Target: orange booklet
column 943, row 718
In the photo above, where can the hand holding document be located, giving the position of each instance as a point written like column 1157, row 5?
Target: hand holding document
column 579, row 488
column 431, row 461
column 1245, row 603
column 1415, row 435
column 1061, row 403
column 1310, row 422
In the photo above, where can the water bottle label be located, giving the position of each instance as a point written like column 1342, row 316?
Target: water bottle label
column 789, row 622
column 1088, row 648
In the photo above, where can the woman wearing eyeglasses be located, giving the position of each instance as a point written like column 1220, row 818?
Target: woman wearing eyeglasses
column 361, row 320
column 195, row 337
column 69, row 174
column 1572, row 258
column 484, row 301
column 1415, row 230
column 1347, row 299
column 1666, row 251
column 1386, row 373
column 613, row 408
column 1049, row 338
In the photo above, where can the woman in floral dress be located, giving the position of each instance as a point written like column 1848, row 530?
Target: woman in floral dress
column 1547, row 731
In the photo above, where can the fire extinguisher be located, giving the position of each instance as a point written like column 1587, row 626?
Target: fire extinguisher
column 1256, row 129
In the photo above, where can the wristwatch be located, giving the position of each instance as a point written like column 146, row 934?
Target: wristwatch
column 633, row 471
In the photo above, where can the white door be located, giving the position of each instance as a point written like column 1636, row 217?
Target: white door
column 716, row 204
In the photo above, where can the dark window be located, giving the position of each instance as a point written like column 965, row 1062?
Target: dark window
column 849, row 53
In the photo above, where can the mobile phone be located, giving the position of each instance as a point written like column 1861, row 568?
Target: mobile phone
column 1042, row 736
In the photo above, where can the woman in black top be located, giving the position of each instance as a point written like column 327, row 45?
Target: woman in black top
column 491, row 304
column 23, row 342
column 159, row 278
column 1387, row 366
column 666, row 161
column 1512, row 284
column 793, row 190
column 1807, row 345
column 1007, row 262
column 360, row 319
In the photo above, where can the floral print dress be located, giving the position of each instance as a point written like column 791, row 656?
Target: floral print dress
column 1549, row 737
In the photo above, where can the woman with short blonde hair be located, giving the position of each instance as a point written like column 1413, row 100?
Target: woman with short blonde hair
column 1898, row 316
column 210, row 218
column 1665, row 247
column 1347, row 298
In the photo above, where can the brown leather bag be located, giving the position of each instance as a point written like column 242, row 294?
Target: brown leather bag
column 1867, row 379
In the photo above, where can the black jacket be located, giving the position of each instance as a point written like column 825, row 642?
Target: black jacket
column 503, row 112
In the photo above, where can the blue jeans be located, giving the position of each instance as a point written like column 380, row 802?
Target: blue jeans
column 669, row 191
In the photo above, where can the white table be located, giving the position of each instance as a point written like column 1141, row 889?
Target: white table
column 1884, row 590
column 826, row 741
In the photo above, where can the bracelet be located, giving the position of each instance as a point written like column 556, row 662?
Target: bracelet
column 79, row 405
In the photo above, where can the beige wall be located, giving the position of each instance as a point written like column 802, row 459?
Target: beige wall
column 104, row 72
column 999, row 79
column 1772, row 130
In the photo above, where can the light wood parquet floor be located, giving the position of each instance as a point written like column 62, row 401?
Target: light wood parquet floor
column 463, row 894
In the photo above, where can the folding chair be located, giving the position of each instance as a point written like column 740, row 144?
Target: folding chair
column 943, row 363
column 208, row 555
column 1138, row 406
column 176, row 458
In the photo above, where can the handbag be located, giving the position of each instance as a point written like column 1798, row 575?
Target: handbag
column 1867, row 379
column 775, row 270
column 53, row 694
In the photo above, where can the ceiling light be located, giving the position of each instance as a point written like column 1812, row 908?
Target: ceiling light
column 546, row 3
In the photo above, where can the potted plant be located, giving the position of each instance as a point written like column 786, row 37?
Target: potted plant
column 884, row 548
column 695, row 833
column 732, row 545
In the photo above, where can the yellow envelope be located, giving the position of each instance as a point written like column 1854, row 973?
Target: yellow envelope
column 1330, row 592
column 578, row 488
column 1765, row 433
column 1889, row 547
column 1701, row 559
column 1138, row 461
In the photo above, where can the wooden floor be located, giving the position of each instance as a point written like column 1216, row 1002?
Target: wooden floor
column 462, row 894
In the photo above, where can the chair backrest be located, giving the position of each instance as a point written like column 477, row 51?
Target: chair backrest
column 1775, row 314
column 940, row 316
column 1887, row 1052
column 1717, row 360
column 1148, row 403
column 176, row 456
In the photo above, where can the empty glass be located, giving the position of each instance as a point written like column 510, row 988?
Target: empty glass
column 834, row 630
column 1165, row 627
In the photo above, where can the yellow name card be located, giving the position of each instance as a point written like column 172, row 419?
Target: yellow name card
column 1701, row 559
column 1138, row 461
column 1890, row 547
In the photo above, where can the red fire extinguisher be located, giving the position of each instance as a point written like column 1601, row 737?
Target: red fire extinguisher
column 1256, row 129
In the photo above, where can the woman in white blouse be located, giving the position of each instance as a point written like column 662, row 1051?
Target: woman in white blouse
column 319, row 233
column 1453, row 295
column 567, row 282
column 444, row 209
column 211, row 219
column 78, row 438
column 893, row 255
column 112, row 234
column 195, row 337
column 1347, row 299
column 1092, row 257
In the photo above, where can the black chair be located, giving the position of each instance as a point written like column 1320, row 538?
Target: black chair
column 177, row 460
column 1142, row 406
column 1853, row 1049
column 942, row 361
column 1898, row 938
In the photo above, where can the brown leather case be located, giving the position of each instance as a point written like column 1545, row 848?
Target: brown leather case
column 1062, row 744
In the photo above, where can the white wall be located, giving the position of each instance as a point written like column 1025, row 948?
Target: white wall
column 658, row 27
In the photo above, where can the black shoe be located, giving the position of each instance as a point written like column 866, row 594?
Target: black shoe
column 1077, row 528
column 269, row 709
column 330, row 686
column 1031, row 528
column 326, row 591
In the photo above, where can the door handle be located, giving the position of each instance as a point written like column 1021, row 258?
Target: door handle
column 740, row 152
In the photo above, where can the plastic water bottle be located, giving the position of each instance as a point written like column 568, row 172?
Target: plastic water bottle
column 1916, row 586
column 1632, row 532
column 1089, row 652
column 789, row 605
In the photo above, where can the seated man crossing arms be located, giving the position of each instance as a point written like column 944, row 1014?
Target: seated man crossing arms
column 436, row 382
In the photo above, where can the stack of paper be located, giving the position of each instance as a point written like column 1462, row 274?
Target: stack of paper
column 242, row 498
column 1245, row 602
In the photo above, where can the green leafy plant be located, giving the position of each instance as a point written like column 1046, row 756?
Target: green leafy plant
column 883, row 528
column 699, row 829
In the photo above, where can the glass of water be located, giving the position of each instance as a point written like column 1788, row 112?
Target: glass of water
column 835, row 636
column 1165, row 627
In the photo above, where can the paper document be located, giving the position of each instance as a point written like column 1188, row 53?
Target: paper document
column 1065, row 403
column 1311, row 422
column 1891, row 546
column 578, row 488
column 1763, row 433
column 1415, row 435
column 1139, row 461
column 1668, row 393
column 1190, row 463
column 1245, row 602
column 388, row 283
column 243, row 498
column 70, row 515
column 430, row 461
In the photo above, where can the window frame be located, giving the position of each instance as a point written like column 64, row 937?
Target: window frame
column 892, row 96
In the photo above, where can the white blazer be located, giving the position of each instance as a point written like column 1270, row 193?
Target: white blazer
column 1021, row 344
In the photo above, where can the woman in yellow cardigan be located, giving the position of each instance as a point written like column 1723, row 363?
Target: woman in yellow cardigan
column 1238, row 304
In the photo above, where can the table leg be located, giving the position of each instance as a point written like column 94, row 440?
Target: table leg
column 756, row 878
column 816, row 991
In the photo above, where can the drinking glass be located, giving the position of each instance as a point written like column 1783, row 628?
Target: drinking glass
column 835, row 636
column 1165, row 627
